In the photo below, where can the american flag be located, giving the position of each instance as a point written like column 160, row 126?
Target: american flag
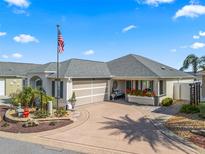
column 60, row 42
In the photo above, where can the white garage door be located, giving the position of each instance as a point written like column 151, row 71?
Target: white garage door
column 90, row 91
column 2, row 88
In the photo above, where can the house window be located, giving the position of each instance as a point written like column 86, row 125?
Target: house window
column 136, row 84
column 129, row 85
column 161, row 87
column 53, row 88
column 61, row 89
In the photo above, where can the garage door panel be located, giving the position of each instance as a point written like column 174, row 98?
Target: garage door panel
column 100, row 83
column 99, row 91
column 81, row 84
column 90, row 91
column 82, row 101
column 80, row 93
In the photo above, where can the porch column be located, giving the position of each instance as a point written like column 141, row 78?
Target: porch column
column 69, row 90
column 133, row 84
column 108, row 89
column 28, row 82
column 156, row 87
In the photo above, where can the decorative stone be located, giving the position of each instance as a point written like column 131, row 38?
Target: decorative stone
column 69, row 106
column 198, row 132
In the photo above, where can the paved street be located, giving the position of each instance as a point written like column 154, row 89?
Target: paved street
column 8, row 146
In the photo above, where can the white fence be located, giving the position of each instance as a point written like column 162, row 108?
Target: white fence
column 181, row 91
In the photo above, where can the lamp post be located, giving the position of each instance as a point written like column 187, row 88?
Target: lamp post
column 42, row 91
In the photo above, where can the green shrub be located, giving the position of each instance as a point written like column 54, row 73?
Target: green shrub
column 189, row 109
column 41, row 114
column 61, row 112
column 5, row 125
column 52, row 123
column 202, row 110
column 30, row 123
column 167, row 101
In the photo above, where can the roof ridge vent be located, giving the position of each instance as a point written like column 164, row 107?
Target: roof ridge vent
column 163, row 67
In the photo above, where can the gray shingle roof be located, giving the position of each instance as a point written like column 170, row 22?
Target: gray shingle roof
column 85, row 68
column 138, row 66
column 76, row 68
column 44, row 68
column 15, row 69
column 127, row 66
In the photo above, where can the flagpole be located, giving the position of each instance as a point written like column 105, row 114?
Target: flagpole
column 57, row 67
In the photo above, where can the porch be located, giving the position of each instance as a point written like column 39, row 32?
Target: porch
column 140, row 91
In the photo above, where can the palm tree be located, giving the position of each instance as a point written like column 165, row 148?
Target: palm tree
column 197, row 63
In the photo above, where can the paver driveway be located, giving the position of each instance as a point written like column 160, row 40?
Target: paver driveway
column 118, row 127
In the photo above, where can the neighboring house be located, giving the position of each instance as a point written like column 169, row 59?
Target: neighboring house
column 201, row 77
column 93, row 81
column 12, row 76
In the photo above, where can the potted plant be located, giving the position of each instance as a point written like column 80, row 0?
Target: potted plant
column 72, row 100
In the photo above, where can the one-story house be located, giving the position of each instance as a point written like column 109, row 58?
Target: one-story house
column 94, row 81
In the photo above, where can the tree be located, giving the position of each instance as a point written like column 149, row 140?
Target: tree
column 197, row 63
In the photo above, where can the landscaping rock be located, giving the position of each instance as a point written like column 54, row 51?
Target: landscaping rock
column 198, row 132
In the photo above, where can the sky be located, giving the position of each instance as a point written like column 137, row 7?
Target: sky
column 163, row 30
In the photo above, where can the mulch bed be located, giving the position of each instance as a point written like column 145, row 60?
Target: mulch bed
column 182, row 124
column 17, row 127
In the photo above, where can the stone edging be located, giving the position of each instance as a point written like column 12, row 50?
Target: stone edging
column 12, row 119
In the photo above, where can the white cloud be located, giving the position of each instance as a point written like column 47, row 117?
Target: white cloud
column 190, row 11
column 173, row 50
column 196, row 37
column 197, row 45
column 13, row 55
column 89, row 52
column 201, row 33
column 2, row 33
column 128, row 28
column 16, row 55
column 24, row 38
column 5, row 56
column 155, row 2
column 19, row 3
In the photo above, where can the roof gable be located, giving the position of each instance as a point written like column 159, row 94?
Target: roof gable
column 138, row 66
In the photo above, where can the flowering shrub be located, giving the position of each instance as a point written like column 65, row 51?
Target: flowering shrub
column 146, row 92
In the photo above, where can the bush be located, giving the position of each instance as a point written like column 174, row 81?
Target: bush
column 167, row 101
column 52, row 123
column 41, row 114
column 30, row 123
column 189, row 109
column 5, row 125
column 61, row 112
column 202, row 110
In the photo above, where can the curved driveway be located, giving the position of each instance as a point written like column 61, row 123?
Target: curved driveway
column 119, row 128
